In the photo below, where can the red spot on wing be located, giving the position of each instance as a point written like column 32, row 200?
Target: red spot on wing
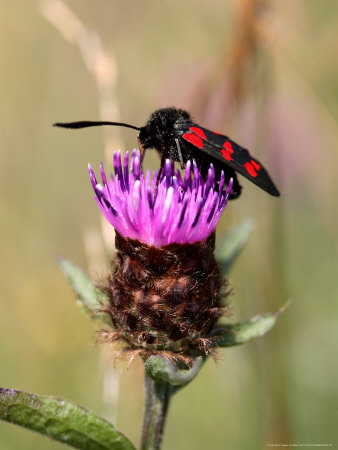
column 227, row 151
column 199, row 132
column 226, row 154
column 193, row 139
column 227, row 145
column 256, row 165
column 250, row 169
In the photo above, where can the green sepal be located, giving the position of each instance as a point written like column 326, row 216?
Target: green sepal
column 239, row 333
column 88, row 295
column 229, row 247
column 61, row 420
column 163, row 370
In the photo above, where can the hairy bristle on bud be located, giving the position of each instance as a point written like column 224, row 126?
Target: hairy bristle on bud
column 165, row 298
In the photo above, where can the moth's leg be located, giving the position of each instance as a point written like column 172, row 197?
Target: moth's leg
column 180, row 157
column 201, row 162
column 142, row 152
column 159, row 173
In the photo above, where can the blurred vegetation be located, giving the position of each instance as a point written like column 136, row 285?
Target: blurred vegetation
column 262, row 72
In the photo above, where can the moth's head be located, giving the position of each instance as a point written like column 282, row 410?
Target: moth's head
column 162, row 127
column 148, row 137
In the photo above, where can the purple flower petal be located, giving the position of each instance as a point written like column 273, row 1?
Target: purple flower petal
column 185, row 210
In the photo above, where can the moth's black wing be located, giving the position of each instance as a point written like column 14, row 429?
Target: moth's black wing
column 231, row 154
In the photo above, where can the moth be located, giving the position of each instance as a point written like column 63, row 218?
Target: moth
column 174, row 134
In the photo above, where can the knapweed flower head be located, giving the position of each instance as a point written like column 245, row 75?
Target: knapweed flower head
column 180, row 210
column 165, row 288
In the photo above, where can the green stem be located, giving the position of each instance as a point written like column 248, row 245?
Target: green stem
column 157, row 396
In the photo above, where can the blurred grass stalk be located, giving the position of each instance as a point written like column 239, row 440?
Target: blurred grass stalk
column 245, row 73
column 250, row 51
column 104, row 69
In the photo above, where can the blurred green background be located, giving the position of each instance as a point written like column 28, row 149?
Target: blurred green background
column 264, row 73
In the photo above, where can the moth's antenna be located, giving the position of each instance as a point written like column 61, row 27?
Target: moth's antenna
column 89, row 123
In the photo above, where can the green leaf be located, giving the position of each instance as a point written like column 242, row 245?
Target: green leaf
column 239, row 333
column 61, row 420
column 229, row 247
column 163, row 370
column 89, row 296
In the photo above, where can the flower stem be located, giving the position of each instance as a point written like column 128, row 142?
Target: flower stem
column 157, row 396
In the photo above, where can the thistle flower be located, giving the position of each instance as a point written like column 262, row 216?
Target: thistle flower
column 164, row 290
column 184, row 210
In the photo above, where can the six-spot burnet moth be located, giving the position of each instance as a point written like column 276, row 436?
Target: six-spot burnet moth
column 173, row 133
